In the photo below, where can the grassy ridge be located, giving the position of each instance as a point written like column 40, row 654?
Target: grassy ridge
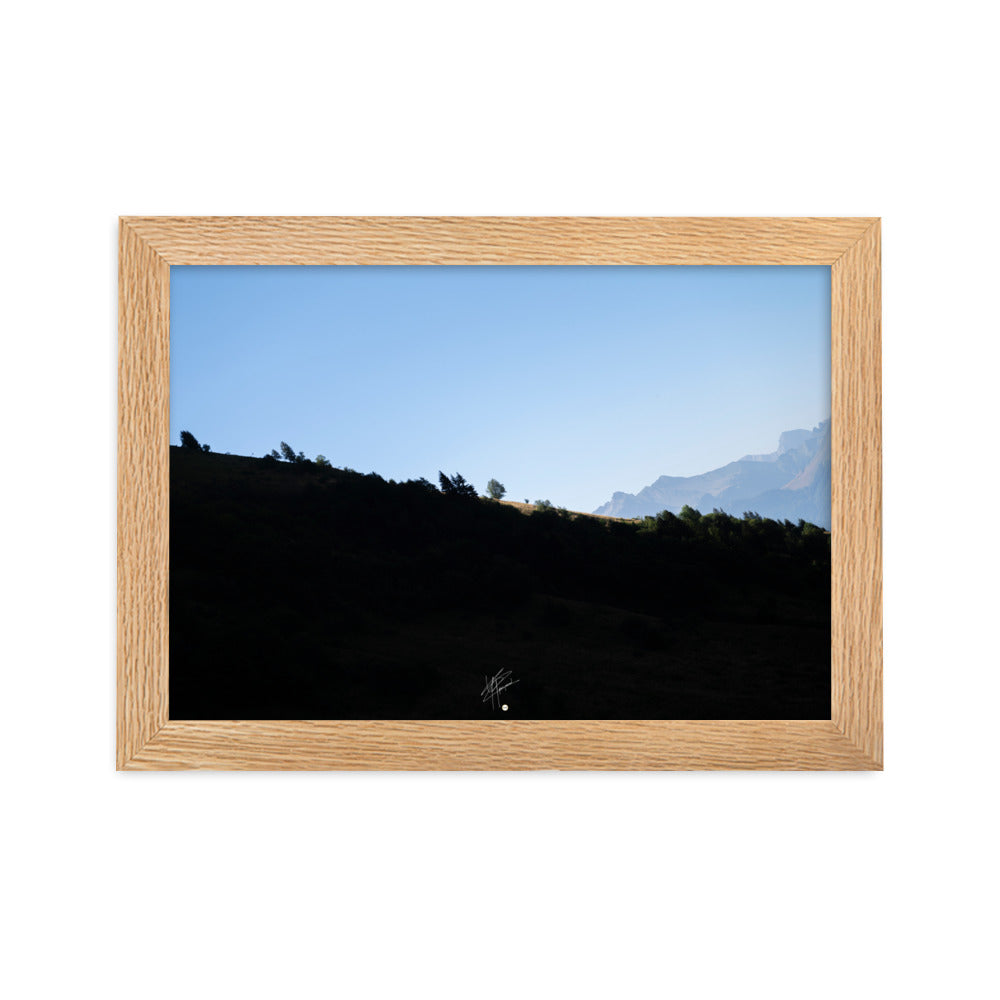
column 306, row 592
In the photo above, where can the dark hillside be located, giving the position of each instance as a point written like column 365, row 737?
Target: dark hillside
column 298, row 591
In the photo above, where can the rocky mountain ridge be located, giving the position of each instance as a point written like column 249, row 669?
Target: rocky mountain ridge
column 790, row 483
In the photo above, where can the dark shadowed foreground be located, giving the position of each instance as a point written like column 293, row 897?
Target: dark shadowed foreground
column 304, row 592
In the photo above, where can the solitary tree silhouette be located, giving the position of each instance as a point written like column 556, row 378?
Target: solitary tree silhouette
column 189, row 441
column 495, row 489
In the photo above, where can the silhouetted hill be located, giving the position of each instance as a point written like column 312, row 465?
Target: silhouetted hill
column 792, row 482
column 305, row 592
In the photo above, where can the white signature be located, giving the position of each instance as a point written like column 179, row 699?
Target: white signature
column 495, row 686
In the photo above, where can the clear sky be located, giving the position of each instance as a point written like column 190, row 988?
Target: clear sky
column 565, row 383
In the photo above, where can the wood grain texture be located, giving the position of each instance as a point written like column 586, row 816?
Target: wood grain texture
column 143, row 491
column 387, row 240
column 850, row 740
column 856, row 442
column 506, row 745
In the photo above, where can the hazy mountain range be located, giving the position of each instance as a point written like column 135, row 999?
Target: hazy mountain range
column 792, row 482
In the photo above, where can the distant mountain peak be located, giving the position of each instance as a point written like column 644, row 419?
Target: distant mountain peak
column 789, row 441
column 790, row 483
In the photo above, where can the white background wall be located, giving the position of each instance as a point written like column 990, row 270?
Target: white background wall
column 689, row 885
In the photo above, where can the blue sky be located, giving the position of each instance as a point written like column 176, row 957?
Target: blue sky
column 565, row 383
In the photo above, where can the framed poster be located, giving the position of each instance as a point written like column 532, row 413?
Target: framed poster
column 384, row 601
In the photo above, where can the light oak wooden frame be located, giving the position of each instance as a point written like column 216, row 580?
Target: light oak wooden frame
column 149, row 740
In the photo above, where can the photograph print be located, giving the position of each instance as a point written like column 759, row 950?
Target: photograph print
column 502, row 492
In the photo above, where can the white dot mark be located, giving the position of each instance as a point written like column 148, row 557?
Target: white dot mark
column 504, row 707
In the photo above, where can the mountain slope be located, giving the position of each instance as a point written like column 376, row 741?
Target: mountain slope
column 790, row 483
column 304, row 592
